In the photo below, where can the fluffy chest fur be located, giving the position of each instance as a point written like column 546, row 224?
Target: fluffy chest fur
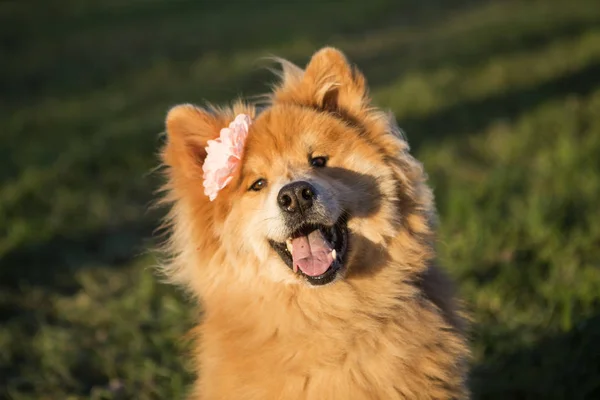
column 299, row 344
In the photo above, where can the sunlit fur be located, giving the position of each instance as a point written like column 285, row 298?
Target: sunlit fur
column 388, row 327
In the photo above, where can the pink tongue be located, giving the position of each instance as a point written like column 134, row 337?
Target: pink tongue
column 312, row 253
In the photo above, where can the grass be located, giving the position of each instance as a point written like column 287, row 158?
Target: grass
column 499, row 100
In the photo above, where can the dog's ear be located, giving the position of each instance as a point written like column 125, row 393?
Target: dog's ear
column 338, row 85
column 189, row 128
column 329, row 83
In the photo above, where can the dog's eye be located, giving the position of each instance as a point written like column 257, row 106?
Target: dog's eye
column 258, row 185
column 318, row 162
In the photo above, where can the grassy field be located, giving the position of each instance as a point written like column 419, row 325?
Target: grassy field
column 500, row 100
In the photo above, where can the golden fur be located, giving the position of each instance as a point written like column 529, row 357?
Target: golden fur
column 389, row 328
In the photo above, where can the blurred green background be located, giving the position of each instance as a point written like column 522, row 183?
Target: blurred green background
column 500, row 100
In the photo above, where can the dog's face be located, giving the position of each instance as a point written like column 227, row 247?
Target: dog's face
column 319, row 188
column 306, row 174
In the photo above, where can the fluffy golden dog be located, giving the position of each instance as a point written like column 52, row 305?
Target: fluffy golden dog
column 315, row 264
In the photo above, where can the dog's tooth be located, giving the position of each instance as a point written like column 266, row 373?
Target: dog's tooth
column 333, row 254
column 295, row 268
column 289, row 245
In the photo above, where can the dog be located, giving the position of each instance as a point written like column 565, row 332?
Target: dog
column 306, row 231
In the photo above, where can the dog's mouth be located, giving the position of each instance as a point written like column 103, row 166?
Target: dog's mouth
column 316, row 252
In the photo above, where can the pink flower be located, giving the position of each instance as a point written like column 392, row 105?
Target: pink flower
column 224, row 155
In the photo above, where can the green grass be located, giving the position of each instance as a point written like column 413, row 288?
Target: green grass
column 500, row 100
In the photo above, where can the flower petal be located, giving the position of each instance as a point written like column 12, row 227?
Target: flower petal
column 224, row 154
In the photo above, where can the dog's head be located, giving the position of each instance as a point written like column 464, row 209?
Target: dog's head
column 324, row 184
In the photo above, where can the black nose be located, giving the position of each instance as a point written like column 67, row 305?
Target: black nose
column 296, row 197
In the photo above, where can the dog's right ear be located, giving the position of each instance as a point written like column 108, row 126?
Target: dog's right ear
column 189, row 128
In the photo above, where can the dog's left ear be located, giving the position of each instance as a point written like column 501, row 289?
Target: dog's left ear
column 329, row 83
